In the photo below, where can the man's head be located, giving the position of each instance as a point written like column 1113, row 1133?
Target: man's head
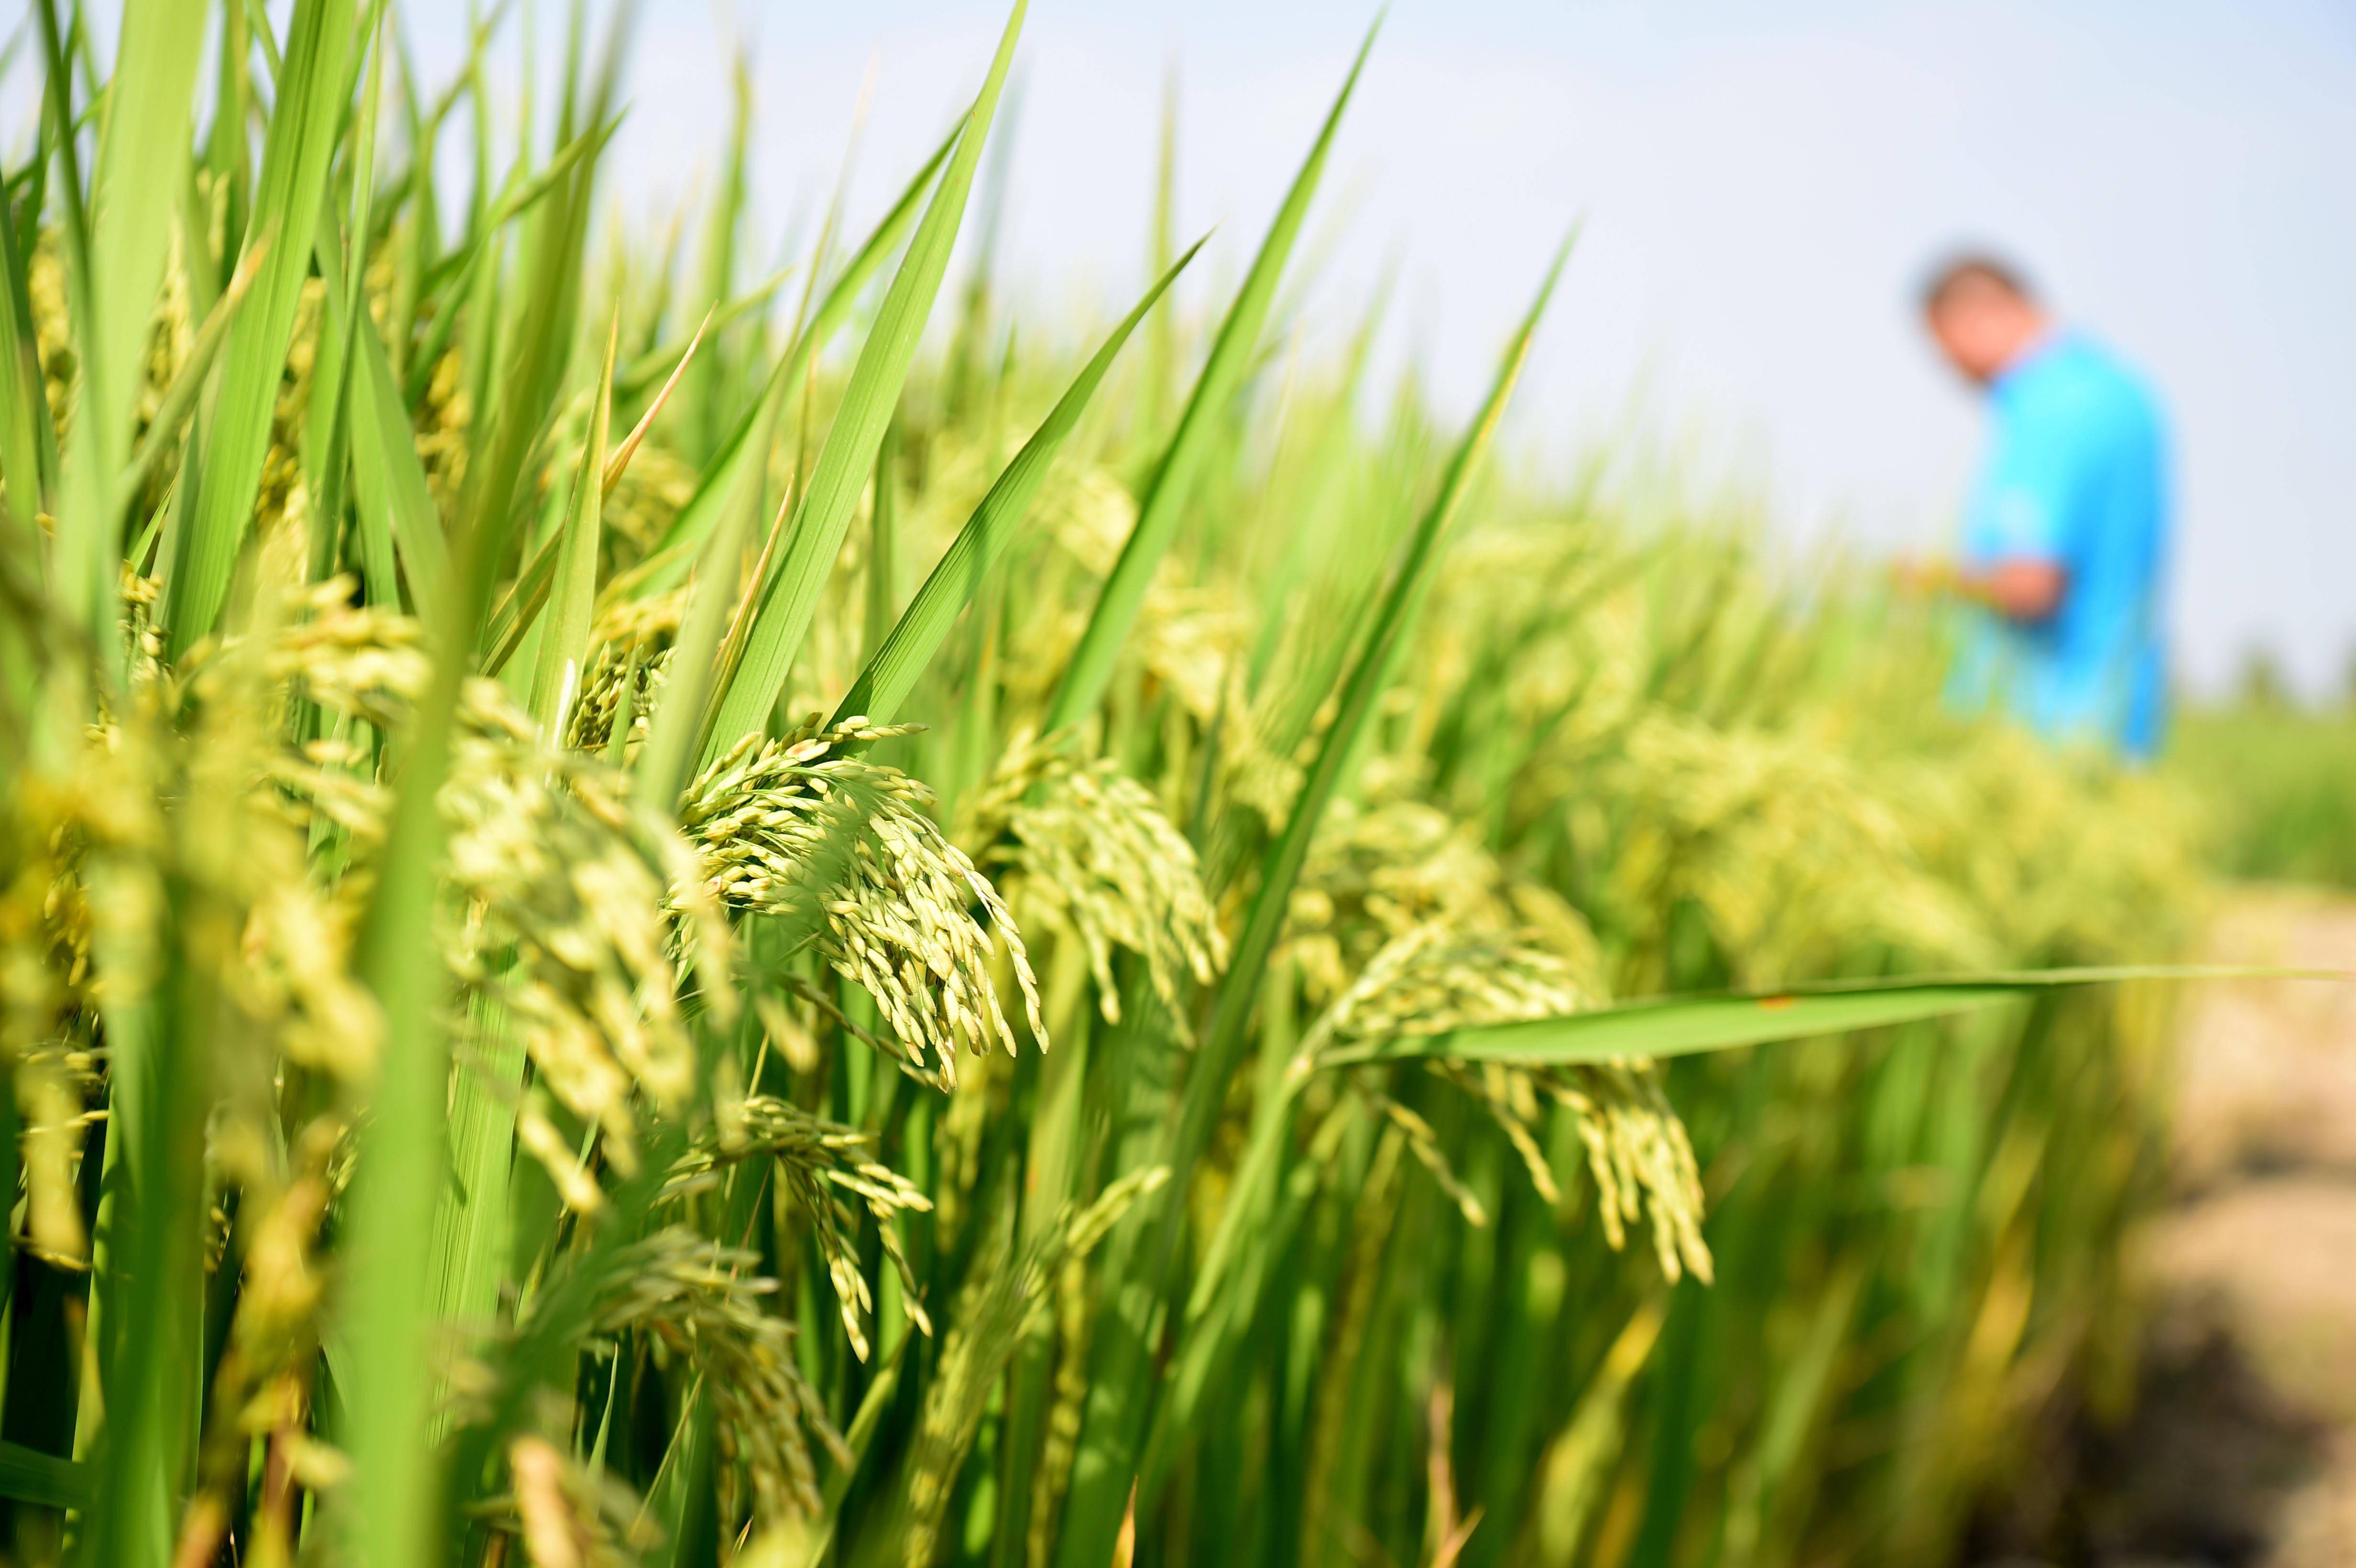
column 1982, row 314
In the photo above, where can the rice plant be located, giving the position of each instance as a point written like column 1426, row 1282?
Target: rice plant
column 651, row 914
column 2272, row 777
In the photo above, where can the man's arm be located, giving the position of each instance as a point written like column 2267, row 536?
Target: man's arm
column 2025, row 590
column 2025, row 528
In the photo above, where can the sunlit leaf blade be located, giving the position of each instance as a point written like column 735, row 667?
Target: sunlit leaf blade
column 523, row 199
column 295, row 156
column 470, row 263
column 80, row 558
column 328, row 447
column 1359, row 696
column 139, row 155
column 917, row 635
column 702, row 407
column 400, row 1171
column 565, row 636
column 29, row 451
column 404, row 1161
column 789, row 598
column 675, row 725
column 619, row 462
column 180, row 396
column 531, row 369
column 710, row 501
column 666, row 359
column 388, row 485
column 520, row 607
column 1691, row 1025
column 151, row 1301
column 1161, row 338
column 1115, row 1428
column 1166, row 494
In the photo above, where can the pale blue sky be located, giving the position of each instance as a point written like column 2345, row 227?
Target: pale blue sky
column 1762, row 187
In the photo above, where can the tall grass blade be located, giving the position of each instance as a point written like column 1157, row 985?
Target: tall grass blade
column 1162, row 336
column 675, row 727
column 710, row 501
column 403, row 1165
column 788, row 599
column 80, row 556
column 565, row 636
column 301, row 144
column 29, row 439
column 391, row 496
column 1107, row 1461
column 470, row 273
column 328, row 449
column 1685, row 1026
column 1167, row 493
column 139, row 156
column 619, row 463
column 180, row 396
column 703, row 405
column 519, row 609
column 917, row 635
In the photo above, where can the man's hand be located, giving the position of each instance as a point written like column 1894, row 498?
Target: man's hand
column 2025, row 590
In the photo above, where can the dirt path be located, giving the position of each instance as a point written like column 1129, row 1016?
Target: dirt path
column 2260, row 1248
column 2242, row 1453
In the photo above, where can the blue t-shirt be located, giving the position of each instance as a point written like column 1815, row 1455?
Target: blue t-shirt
column 2076, row 474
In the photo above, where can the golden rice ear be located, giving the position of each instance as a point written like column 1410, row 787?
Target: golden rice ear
column 796, row 827
column 1086, row 850
column 703, row 1303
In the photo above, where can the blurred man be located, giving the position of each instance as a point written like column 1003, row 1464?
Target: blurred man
column 2065, row 535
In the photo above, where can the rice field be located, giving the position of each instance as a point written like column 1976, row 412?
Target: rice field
column 2272, row 780
column 652, row 913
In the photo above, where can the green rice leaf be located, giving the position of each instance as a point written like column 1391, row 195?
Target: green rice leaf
column 710, row 501
column 565, row 639
column 1359, row 696
column 139, row 157
column 80, row 559
column 1115, row 1429
column 526, row 196
column 180, row 397
column 327, row 451
column 666, row 359
column 295, row 157
column 471, row 263
column 702, row 401
column 675, row 725
column 918, row 634
column 521, row 604
column 389, row 487
column 28, row 440
column 1689, row 1026
column 402, row 1159
column 30, row 1476
column 618, row 463
column 1166, row 494
column 786, row 600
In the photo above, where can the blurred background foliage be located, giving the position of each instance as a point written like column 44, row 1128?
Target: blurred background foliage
column 2273, row 776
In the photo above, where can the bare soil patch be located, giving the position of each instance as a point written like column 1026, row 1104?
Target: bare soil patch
column 2241, row 1449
